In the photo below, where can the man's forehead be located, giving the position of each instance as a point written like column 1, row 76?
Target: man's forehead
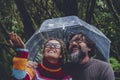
column 77, row 36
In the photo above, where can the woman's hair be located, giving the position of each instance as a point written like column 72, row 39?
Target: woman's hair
column 63, row 46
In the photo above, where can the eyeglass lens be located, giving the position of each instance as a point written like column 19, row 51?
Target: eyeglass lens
column 56, row 45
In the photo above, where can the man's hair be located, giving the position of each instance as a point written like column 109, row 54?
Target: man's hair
column 88, row 41
column 91, row 45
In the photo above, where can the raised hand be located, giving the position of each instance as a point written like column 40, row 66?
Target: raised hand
column 16, row 41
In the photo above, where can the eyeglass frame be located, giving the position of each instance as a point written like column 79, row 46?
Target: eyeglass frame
column 56, row 45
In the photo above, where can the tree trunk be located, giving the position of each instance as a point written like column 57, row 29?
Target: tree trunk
column 27, row 22
column 116, row 4
column 109, row 4
column 68, row 7
column 90, row 10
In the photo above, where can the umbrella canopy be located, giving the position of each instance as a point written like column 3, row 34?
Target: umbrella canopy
column 63, row 28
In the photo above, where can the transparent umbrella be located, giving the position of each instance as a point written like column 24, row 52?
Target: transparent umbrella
column 62, row 28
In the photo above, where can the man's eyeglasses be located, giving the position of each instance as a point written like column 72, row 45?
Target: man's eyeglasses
column 55, row 45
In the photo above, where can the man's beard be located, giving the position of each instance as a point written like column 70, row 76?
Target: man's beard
column 77, row 57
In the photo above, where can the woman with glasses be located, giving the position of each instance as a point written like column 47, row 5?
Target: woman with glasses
column 50, row 68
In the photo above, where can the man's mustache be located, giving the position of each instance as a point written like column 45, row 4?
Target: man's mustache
column 75, row 46
column 72, row 47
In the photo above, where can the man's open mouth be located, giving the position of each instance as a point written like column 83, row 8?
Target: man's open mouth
column 75, row 50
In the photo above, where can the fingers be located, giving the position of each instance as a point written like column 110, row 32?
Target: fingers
column 11, row 41
column 13, row 36
column 21, row 42
column 16, row 41
column 11, row 44
column 32, row 64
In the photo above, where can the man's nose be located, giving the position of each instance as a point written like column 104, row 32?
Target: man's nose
column 74, row 43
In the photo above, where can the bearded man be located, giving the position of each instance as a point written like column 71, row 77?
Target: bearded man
column 82, row 65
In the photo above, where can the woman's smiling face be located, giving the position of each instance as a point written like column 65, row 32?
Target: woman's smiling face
column 52, row 50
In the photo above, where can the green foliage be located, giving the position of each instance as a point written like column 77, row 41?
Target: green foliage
column 5, row 63
column 115, row 64
column 17, row 26
column 103, row 18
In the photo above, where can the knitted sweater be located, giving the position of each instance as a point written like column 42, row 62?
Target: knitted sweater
column 21, row 72
column 92, row 70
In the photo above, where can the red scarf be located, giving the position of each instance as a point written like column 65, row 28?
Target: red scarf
column 51, row 70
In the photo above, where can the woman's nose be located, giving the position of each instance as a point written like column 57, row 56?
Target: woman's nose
column 52, row 46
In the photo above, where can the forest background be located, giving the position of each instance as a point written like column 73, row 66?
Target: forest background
column 25, row 16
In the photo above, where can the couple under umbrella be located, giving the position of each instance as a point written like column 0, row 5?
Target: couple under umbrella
column 63, row 28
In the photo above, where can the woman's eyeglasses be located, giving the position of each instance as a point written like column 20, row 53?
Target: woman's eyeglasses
column 55, row 45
